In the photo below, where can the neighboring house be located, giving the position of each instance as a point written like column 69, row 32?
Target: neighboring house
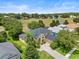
column 72, row 16
column 56, row 17
column 41, row 34
column 56, row 29
column 8, row 51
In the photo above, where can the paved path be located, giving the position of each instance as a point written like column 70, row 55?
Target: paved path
column 52, row 52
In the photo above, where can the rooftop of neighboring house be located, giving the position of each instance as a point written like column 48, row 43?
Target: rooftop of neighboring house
column 8, row 51
column 56, row 29
column 69, row 27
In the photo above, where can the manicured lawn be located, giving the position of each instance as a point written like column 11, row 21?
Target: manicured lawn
column 22, row 48
column 75, row 55
column 44, row 55
column 62, row 51
column 19, row 43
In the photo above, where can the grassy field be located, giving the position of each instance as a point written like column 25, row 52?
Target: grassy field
column 44, row 55
column 46, row 22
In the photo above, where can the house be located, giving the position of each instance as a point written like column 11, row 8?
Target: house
column 56, row 17
column 8, row 51
column 56, row 29
column 41, row 34
column 72, row 16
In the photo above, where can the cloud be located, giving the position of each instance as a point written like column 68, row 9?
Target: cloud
column 40, row 7
column 6, row 8
column 64, row 7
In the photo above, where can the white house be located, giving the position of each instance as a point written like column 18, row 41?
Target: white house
column 56, row 29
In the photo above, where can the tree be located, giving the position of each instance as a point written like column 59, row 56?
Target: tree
column 77, row 29
column 33, row 25
column 54, row 45
column 3, row 37
column 65, row 16
column 41, row 24
column 31, row 52
column 14, row 27
column 57, row 22
column 76, row 20
column 67, row 39
column 18, row 16
column 31, row 41
column 52, row 24
column 66, row 22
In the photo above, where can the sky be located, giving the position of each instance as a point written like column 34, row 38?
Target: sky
column 39, row 6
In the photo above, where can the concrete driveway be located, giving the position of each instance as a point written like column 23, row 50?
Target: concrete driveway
column 52, row 52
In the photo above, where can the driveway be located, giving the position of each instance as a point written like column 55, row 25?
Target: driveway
column 52, row 52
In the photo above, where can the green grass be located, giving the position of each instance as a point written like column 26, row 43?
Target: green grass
column 62, row 50
column 75, row 55
column 21, row 47
column 44, row 55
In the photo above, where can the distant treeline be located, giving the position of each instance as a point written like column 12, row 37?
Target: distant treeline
column 36, row 15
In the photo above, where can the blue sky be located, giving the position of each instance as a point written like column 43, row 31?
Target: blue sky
column 39, row 6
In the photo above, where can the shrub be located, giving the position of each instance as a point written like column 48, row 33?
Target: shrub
column 53, row 45
column 66, row 22
column 76, row 20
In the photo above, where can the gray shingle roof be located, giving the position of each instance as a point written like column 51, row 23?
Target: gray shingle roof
column 37, row 32
column 8, row 51
column 23, row 36
column 49, row 35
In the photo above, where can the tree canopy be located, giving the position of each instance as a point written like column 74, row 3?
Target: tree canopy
column 14, row 27
column 54, row 23
column 31, row 51
column 3, row 37
column 66, row 39
column 35, row 24
column 66, row 22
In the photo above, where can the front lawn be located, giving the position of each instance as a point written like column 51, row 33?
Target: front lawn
column 62, row 50
column 75, row 55
column 45, row 55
